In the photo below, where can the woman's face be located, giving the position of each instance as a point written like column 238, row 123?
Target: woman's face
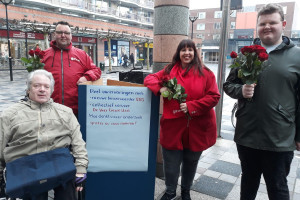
column 186, row 56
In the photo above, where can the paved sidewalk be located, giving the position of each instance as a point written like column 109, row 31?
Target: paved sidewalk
column 218, row 173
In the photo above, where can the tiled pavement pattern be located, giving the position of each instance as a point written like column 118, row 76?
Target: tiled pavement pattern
column 218, row 174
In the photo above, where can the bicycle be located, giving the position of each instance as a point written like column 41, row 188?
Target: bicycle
column 233, row 117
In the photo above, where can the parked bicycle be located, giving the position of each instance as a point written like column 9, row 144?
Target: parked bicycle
column 233, row 117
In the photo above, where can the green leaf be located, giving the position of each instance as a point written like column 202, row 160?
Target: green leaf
column 175, row 81
column 25, row 60
column 172, row 82
column 29, row 69
column 246, row 73
column 165, row 93
column 182, row 90
column 175, row 96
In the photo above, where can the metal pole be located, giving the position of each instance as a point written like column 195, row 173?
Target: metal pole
column 222, row 62
column 26, row 44
column 9, row 52
column 192, row 19
column 109, row 53
column 192, row 29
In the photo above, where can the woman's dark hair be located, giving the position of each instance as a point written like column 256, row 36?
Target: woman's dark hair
column 196, row 63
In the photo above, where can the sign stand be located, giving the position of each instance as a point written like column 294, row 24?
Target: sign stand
column 115, row 185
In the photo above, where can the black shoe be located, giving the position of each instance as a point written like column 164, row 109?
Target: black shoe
column 185, row 195
column 168, row 196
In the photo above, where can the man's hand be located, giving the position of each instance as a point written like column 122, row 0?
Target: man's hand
column 80, row 181
column 298, row 146
column 81, row 80
column 248, row 90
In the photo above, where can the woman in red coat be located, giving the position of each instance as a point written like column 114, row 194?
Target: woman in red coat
column 183, row 139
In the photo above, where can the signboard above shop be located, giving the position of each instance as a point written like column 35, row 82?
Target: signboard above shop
column 84, row 39
column 20, row 34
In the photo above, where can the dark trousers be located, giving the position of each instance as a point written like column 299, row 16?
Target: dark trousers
column 172, row 159
column 60, row 193
column 275, row 167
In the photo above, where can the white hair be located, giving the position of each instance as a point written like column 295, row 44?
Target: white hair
column 39, row 72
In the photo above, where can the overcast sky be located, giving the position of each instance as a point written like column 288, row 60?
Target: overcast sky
column 200, row 4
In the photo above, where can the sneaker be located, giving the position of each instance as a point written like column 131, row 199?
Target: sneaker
column 168, row 196
column 185, row 195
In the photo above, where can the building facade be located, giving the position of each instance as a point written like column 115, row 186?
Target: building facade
column 241, row 30
column 128, row 24
column 208, row 27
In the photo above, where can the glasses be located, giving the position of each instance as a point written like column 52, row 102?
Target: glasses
column 62, row 32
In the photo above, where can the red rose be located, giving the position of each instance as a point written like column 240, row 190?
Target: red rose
column 164, row 79
column 249, row 49
column 233, row 54
column 259, row 49
column 41, row 55
column 37, row 51
column 263, row 56
column 31, row 52
column 243, row 51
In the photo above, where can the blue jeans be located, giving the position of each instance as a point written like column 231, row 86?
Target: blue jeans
column 275, row 167
column 172, row 159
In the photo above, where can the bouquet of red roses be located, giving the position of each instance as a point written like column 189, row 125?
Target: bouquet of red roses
column 251, row 61
column 175, row 91
column 34, row 62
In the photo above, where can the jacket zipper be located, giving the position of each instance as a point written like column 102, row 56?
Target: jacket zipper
column 62, row 78
column 39, row 130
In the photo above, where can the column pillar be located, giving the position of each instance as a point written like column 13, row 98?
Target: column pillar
column 171, row 22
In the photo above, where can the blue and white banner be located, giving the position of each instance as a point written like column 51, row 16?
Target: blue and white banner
column 117, row 128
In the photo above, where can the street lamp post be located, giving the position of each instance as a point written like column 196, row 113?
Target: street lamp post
column 6, row 2
column 192, row 19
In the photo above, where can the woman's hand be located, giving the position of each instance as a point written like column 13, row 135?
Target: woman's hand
column 163, row 89
column 183, row 107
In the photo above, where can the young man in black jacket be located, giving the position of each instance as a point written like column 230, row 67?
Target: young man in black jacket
column 268, row 127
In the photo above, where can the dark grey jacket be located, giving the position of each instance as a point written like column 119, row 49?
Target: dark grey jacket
column 270, row 121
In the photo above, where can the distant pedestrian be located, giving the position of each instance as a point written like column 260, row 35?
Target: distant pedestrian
column 150, row 60
column 131, row 58
column 268, row 126
column 125, row 60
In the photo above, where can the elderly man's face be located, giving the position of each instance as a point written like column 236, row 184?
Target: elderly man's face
column 40, row 90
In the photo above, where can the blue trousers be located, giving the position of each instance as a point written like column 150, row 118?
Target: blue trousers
column 172, row 160
column 275, row 167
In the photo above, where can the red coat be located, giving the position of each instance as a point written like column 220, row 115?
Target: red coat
column 67, row 66
column 202, row 96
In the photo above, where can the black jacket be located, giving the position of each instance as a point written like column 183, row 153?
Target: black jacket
column 270, row 121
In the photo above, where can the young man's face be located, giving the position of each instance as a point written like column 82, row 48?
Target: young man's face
column 270, row 29
column 63, row 36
